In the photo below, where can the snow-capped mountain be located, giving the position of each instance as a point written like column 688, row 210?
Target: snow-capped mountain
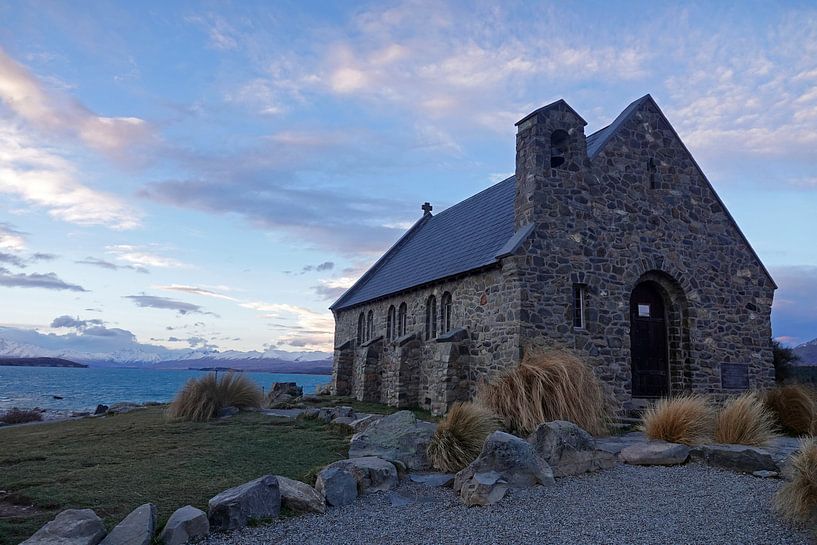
column 807, row 352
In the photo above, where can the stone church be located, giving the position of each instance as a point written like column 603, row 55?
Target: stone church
column 613, row 245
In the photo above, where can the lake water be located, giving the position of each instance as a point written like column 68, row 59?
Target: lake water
column 84, row 389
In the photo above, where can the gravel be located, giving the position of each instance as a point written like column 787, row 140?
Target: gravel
column 681, row 504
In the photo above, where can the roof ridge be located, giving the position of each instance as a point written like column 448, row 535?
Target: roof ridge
column 614, row 126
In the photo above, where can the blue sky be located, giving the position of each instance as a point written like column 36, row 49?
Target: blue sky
column 214, row 174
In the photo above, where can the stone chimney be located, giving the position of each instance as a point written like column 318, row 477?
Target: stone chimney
column 551, row 154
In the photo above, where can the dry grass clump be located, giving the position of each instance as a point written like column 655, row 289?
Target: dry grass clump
column 546, row 386
column 460, row 436
column 797, row 499
column 201, row 398
column 744, row 420
column 20, row 416
column 794, row 408
column 684, row 419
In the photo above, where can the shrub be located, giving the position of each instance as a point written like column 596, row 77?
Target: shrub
column 783, row 359
column 201, row 398
column 744, row 420
column 797, row 498
column 460, row 436
column 794, row 408
column 684, row 419
column 546, row 386
column 20, row 416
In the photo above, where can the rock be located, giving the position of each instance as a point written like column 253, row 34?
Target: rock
column 363, row 422
column 763, row 474
column 399, row 436
column 483, row 489
column 568, row 449
column 184, row 524
column 433, row 479
column 343, row 421
column 226, row 412
column 506, row 461
column 327, row 414
column 337, row 485
column 655, row 453
column 283, row 392
column 101, row 409
column 311, row 413
column 300, row 497
column 71, row 527
column 741, row 458
column 236, row 506
column 135, row 529
column 323, row 389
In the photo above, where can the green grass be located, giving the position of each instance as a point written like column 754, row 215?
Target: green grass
column 367, row 407
column 117, row 463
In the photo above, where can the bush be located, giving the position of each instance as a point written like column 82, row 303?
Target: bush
column 546, row 386
column 684, row 419
column 797, row 499
column 744, row 420
column 783, row 359
column 20, row 416
column 460, row 436
column 201, row 398
column 794, row 408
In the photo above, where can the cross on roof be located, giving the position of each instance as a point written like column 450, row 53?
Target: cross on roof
column 427, row 208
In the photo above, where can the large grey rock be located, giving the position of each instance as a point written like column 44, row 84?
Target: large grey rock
column 742, row 458
column 568, row 449
column 369, row 474
column 364, row 421
column 283, row 392
column 655, row 453
column 71, row 527
column 300, row 497
column 328, row 414
column 506, row 461
column 135, row 529
column 184, row 524
column 397, row 437
column 236, row 506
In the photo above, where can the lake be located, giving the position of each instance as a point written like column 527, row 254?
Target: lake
column 84, row 389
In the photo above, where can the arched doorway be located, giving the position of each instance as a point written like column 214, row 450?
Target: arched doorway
column 648, row 341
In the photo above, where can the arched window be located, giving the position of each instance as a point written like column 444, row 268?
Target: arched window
column 652, row 169
column 401, row 320
column 558, row 148
column 431, row 318
column 360, row 329
column 390, row 324
column 369, row 325
column 445, row 313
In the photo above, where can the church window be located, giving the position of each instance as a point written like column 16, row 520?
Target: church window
column 360, row 329
column 652, row 169
column 445, row 321
column 579, row 305
column 558, row 148
column 390, row 329
column 401, row 320
column 369, row 325
column 431, row 318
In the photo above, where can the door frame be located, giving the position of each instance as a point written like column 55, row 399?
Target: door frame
column 666, row 304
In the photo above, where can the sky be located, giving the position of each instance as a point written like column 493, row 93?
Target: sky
column 214, row 174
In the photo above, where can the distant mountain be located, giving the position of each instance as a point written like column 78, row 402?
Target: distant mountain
column 807, row 353
column 39, row 362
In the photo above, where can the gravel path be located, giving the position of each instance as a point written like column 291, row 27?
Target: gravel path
column 690, row 504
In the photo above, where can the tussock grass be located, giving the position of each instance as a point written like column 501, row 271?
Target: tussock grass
column 20, row 416
column 797, row 499
column 744, row 420
column 794, row 408
column 686, row 419
column 546, row 386
column 460, row 436
column 201, row 398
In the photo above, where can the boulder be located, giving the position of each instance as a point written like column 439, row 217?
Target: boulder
column 363, row 422
column 236, row 506
column 300, row 497
column 483, row 489
column 433, row 479
column 655, row 453
column 506, row 461
column 101, row 409
column 184, row 524
column 328, row 414
column 323, row 389
column 397, row 437
column 71, row 527
column 283, row 392
column 135, row 529
column 741, row 458
column 226, row 412
column 568, row 449
column 337, row 485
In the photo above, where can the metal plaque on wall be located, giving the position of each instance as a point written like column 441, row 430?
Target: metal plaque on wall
column 735, row 376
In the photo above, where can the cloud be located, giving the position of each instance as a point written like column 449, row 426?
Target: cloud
column 50, row 113
column 142, row 258
column 794, row 313
column 76, row 323
column 11, row 239
column 321, row 267
column 12, row 259
column 220, row 32
column 205, row 292
column 314, row 330
column 152, row 301
column 49, row 281
column 96, row 262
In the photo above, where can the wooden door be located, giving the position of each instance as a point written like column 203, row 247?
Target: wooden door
column 648, row 342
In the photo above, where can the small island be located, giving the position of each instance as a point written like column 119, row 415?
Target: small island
column 40, row 362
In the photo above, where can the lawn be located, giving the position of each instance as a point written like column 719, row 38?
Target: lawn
column 115, row 463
